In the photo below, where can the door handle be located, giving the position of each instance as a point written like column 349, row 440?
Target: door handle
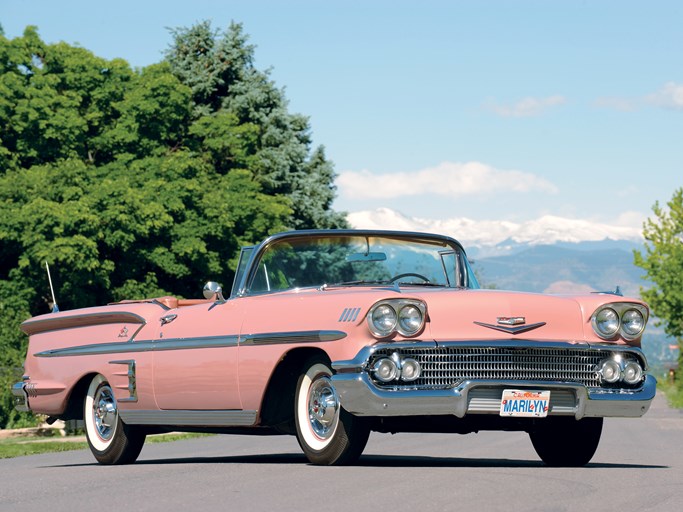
column 168, row 319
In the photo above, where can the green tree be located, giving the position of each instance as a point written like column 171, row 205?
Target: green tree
column 662, row 261
column 218, row 68
column 140, row 183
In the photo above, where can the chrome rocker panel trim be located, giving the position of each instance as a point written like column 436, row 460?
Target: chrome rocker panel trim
column 199, row 418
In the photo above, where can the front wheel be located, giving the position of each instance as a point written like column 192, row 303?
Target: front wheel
column 327, row 434
column 566, row 442
column 110, row 439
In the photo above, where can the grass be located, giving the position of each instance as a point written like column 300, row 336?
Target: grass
column 674, row 394
column 20, row 446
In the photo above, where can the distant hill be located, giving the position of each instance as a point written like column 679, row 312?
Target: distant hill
column 559, row 269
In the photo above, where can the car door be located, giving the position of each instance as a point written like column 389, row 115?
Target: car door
column 195, row 357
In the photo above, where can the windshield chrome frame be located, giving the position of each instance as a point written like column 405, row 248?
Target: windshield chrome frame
column 241, row 288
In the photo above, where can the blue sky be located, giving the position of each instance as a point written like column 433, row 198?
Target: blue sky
column 491, row 110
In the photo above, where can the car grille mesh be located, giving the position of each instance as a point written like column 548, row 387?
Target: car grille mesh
column 445, row 367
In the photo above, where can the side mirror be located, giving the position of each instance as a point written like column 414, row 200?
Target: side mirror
column 213, row 290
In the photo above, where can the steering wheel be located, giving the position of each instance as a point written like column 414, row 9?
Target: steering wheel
column 409, row 274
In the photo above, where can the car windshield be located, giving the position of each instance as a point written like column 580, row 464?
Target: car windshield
column 325, row 260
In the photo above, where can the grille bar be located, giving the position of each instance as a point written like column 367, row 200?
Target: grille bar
column 445, row 367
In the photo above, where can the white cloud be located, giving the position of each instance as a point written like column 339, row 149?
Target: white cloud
column 527, row 107
column 616, row 103
column 670, row 96
column 547, row 229
column 447, row 179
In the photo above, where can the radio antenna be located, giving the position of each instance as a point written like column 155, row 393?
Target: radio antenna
column 55, row 308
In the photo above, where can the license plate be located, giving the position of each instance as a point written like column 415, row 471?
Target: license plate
column 522, row 403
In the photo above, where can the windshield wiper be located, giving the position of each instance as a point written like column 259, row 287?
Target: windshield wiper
column 354, row 283
column 436, row 285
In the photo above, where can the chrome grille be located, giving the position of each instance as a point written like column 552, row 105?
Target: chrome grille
column 445, row 367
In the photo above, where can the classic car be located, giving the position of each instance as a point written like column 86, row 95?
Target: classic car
column 331, row 334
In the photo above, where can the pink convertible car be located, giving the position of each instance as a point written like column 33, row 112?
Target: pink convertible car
column 329, row 335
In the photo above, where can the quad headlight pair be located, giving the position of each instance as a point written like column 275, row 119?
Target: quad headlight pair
column 623, row 318
column 403, row 316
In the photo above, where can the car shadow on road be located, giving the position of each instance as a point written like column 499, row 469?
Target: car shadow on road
column 379, row 461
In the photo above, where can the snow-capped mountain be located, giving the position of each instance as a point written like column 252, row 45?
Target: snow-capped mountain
column 489, row 237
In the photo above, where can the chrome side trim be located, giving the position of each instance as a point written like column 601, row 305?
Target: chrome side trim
column 132, row 384
column 202, row 418
column 126, row 347
column 60, row 321
column 273, row 338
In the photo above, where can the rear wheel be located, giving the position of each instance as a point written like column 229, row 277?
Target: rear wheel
column 566, row 442
column 327, row 434
column 110, row 439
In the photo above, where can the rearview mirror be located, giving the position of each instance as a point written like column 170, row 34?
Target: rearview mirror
column 370, row 256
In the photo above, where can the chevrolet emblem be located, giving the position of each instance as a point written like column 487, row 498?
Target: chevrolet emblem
column 511, row 320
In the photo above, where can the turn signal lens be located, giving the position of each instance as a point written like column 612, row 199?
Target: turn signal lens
column 632, row 373
column 410, row 370
column 385, row 370
column 610, row 371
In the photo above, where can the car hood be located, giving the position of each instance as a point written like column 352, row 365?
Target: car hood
column 455, row 315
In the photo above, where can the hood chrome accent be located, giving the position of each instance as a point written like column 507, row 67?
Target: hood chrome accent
column 511, row 320
column 512, row 330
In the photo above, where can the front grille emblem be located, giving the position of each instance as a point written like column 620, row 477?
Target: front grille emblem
column 511, row 320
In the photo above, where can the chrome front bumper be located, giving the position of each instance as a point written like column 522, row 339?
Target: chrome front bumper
column 20, row 397
column 359, row 396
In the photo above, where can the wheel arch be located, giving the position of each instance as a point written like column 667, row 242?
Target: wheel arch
column 277, row 407
column 74, row 404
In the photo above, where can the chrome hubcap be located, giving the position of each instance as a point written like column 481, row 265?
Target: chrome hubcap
column 323, row 408
column 104, row 413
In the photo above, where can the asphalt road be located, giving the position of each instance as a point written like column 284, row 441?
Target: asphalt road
column 638, row 466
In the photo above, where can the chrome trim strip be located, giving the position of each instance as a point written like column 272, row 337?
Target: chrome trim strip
column 199, row 418
column 59, row 322
column 273, row 338
column 512, row 330
column 125, row 347
column 131, row 387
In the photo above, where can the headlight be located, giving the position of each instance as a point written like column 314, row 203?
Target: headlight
column 409, row 320
column 391, row 316
column 607, row 323
column 632, row 322
column 383, row 320
column 627, row 319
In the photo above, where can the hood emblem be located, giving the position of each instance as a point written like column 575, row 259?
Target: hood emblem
column 510, row 327
column 511, row 320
